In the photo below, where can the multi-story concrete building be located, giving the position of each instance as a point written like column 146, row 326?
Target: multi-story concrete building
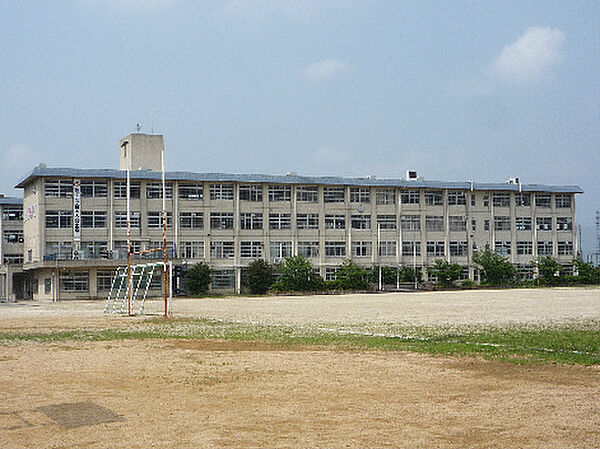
column 13, row 283
column 75, row 221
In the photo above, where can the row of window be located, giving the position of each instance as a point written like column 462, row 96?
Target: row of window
column 307, row 194
column 254, row 220
column 12, row 236
column 12, row 213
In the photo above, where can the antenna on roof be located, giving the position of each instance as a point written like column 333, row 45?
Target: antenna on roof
column 138, row 127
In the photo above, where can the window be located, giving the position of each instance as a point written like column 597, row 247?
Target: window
column 307, row 221
column 221, row 220
column 523, row 223
column 94, row 250
column 502, row 223
column 333, row 194
column 486, row 225
column 473, row 225
column 411, row 248
column 94, row 189
column 12, row 236
column 486, row 200
column 280, row 221
column 251, row 220
column 154, row 190
column 93, row 219
column 544, row 248
column 59, row 219
column 12, row 258
column 387, row 249
column 222, row 279
column 457, row 198
column 542, row 199
column 360, row 195
column 252, row 250
column 565, row 248
column 155, row 219
column 435, row 249
column 307, row 194
column 360, row 221
column 159, row 254
column 308, row 249
column 221, row 250
column 191, row 220
column 361, row 249
column 563, row 201
column 190, row 191
column 12, row 213
column 543, row 223
column 280, row 193
column 524, row 248
column 335, row 222
column 331, row 273
column 502, row 248
column 525, row 271
column 192, row 250
column 58, row 188
column 120, row 189
column 221, row 192
column 120, row 247
column 104, row 280
column 410, row 222
column 434, row 223
column 47, row 286
column 121, row 219
column 251, row 192
column 564, row 223
column 335, row 249
column 457, row 223
column 280, row 249
column 458, row 248
column 74, row 281
column 473, row 200
column 385, row 196
column 409, row 196
column 434, row 198
column 522, row 199
column 501, row 199
column 386, row 221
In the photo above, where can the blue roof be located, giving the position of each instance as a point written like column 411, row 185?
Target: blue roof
column 9, row 200
column 288, row 179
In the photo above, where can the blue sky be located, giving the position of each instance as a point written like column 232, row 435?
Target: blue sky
column 457, row 90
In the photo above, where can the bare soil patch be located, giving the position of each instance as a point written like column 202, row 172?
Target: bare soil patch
column 156, row 393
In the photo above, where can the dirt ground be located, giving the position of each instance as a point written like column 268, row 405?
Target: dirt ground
column 181, row 393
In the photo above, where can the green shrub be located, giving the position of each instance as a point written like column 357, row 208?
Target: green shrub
column 494, row 269
column 296, row 274
column 350, row 276
column 197, row 279
column 445, row 272
column 259, row 276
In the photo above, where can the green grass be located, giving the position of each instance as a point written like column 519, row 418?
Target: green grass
column 576, row 343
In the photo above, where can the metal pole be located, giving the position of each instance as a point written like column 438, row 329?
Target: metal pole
column 164, row 214
column 129, row 280
column 378, row 254
column 415, row 262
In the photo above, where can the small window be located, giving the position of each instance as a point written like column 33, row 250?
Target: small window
column 120, row 189
column 385, row 196
column 361, row 249
column 457, row 198
column 279, row 193
column 192, row 192
column 335, row 222
column 360, row 221
column 251, row 192
column 221, row 220
column 154, row 190
column 409, row 196
column 307, row 194
column 279, row 221
column 387, row 249
column 308, row 249
column 434, row 198
column 307, row 221
column 360, row 195
column 333, row 194
column 251, row 220
column 221, row 192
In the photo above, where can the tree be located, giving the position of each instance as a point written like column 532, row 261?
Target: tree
column 350, row 276
column 445, row 272
column 197, row 279
column 259, row 276
column 495, row 269
column 297, row 274
column 586, row 272
column 547, row 268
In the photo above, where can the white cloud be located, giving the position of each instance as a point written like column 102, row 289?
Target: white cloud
column 531, row 57
column 324, row 69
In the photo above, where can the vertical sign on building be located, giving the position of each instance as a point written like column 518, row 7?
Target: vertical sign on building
column 76, row 218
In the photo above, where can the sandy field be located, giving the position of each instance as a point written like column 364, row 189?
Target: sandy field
column 182, row 393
